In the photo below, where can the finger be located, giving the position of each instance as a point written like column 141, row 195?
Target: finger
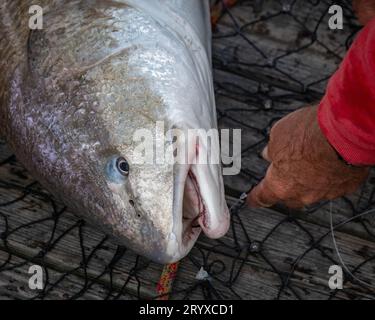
column 265, row 154
column 262, row 195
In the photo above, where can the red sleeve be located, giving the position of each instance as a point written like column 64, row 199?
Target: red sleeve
column 347, row 111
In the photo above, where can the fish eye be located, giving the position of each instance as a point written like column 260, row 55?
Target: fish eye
column 122, row 166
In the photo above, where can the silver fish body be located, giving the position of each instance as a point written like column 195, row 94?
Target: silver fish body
column 74, row 95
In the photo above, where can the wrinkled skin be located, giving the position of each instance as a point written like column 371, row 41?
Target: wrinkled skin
column 304, row 168
column 74, row 95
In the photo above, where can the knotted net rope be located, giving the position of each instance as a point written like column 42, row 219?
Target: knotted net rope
column 270, row 58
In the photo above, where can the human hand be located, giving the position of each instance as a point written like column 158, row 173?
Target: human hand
column 304, row 168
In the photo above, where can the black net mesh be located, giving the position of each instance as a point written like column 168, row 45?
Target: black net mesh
column 270, row 58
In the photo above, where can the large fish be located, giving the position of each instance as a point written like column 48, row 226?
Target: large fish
column 75, row 93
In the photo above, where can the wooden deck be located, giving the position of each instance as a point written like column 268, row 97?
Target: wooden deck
column 265, row 67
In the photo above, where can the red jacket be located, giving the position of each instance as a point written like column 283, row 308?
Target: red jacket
column 347, row 111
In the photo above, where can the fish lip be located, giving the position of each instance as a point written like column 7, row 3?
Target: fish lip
column 213, row 219
column 192, row 224
column 202, row 219
column 211, row 213
column 186, row 229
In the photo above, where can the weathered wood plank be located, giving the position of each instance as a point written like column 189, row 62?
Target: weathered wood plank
column 66, row 253
column 249, row 97
column 14, row 283
column 248, row 41
column 256, row 279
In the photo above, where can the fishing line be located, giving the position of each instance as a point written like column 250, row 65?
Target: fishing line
column 335, row 243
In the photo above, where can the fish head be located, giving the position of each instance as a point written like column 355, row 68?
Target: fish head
column 102, row 103
column 159, row 165
column 159, row 210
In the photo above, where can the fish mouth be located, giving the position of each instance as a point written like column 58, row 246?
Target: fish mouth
column 193, row 209
column 203, row 207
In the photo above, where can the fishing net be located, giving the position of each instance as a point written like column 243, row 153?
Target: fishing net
column 270, row 58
